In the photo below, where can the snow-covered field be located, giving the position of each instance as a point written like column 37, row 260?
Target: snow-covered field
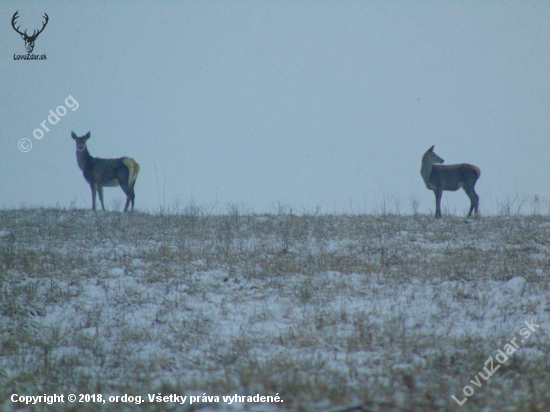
column 321, row 312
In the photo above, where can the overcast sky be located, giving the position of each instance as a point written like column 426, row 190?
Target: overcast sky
column 310, row 104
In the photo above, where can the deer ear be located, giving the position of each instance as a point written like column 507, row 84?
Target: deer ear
column 73, row 135
column 87, row 136
column 431, row 149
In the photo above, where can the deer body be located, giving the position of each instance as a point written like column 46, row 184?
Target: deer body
column 106, row 172
column 438, row 178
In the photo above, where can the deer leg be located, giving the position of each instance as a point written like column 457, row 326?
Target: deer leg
column 133, row 194
column 438, row 194
column 92, row 185
column 474, row 200
column 100, row 191
column 129, row 190
column 133, row 198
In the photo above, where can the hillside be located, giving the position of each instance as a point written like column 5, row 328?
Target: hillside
column 328, row 312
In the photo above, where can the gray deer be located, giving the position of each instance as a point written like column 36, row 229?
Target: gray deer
column 449, row 177
column 106, row 172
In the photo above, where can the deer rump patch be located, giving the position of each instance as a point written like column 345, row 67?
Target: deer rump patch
column 133, row 169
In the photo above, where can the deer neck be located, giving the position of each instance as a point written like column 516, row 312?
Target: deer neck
column 83, row 158
column 426, row 171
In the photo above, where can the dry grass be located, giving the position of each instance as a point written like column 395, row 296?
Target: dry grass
column 380, row 312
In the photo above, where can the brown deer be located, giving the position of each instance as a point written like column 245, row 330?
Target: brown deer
column 106, row 172
column 449, row 177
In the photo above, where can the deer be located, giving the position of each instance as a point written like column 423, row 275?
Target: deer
column 29, row 40
column 449, row 177
column 106, row 172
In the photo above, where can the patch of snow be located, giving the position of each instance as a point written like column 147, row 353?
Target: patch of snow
column 117, row 272
column 515, row 285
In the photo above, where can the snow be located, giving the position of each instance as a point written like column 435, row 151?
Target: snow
column 183, row 320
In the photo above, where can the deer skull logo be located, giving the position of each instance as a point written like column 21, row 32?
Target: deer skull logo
column 29, row 40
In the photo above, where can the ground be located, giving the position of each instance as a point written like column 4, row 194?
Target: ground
column 381, row 312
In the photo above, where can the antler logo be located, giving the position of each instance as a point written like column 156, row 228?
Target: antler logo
column 29, row 40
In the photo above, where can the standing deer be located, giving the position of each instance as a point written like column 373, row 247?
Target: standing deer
column 449, row 177
column 106, row 172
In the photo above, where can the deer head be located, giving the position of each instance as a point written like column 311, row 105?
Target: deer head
column 80, row 141
column 430, row 157
column 29, row 40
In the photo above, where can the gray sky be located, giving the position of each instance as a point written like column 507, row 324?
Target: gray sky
column 306, row 103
